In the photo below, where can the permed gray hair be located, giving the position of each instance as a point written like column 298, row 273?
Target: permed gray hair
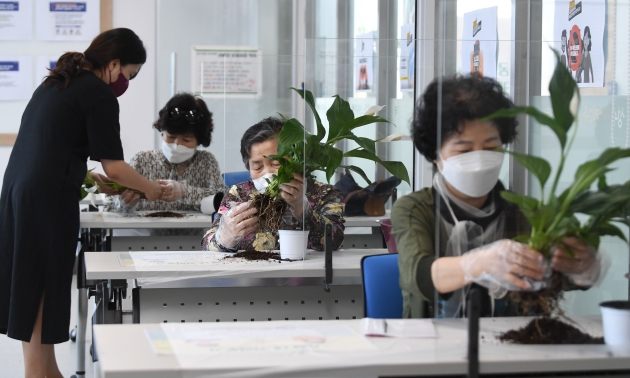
column 264, row 130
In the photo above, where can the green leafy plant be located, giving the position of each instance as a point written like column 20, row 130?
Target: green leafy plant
column 91, row 186
column 553, row 216
column 302, row 152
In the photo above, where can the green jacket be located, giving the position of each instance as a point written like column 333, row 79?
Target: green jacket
column 413, row 220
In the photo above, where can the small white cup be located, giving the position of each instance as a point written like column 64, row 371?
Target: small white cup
column 293, row 244
column 616, row 322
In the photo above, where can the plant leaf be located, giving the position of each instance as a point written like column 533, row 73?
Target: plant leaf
column 612, row 230
column 589, row 171
column 540, row 117
column 362, row 121
column 310, row 100
column 358, row 170
column 365, row 143
column 292, row 132
column 521, row 238
column 528, row 205
column 338, row 114
column 562, row 88
column 334, row 161
column 396, row 168
column 539, row 167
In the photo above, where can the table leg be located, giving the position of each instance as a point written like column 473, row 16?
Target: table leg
column 81, row 329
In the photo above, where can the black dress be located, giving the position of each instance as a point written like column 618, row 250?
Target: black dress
column 39, row 203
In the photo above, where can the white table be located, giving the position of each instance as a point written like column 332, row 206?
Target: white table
column 124, row 351
column 107, row 265
column 171, row 286
column 106, row 220
column 366, row 221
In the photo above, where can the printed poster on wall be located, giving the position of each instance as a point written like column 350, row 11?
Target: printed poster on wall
column 479, row 42
column 227, row 71
column 68, row 20
column 579, row 34
column 407, row 56
column 16, row 78
column 16, row 20
column 363, row 62
column 42, row 66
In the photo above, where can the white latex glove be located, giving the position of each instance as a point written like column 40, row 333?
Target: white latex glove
column 586, row 265
column 293, row 194
column 503, row 266
column 237, row 223
column 127, row 200
column 172, row 190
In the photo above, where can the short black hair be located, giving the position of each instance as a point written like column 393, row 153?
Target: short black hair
column 264, row 130
column 464, row 98
column 201, row 128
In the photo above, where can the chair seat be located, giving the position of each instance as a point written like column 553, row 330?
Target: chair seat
column 383, row 296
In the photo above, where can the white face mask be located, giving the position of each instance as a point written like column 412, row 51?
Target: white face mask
column 473, row 173
column 176, row 153
column 261, row 183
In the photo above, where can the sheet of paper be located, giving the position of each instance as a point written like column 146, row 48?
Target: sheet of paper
column 145, row 259
column 68, row 20
column 16, row 20
column 479, row 42
column 407, row 57
column 407, row 328
column 226, row 71
column 364, row 62
column 187, row 339
column 43, row 63
column 16, row 78
column 579, row 28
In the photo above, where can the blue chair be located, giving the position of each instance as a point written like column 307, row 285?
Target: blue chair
column 382, row 296
column 232, row 178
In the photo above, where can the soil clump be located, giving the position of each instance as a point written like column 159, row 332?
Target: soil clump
column 164, row 214
column 549, row 331
column 253, row 255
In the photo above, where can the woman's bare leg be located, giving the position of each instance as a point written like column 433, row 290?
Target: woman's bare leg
column 39, row 359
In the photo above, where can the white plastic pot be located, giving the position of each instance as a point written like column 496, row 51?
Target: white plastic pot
column 616, row 322
column 293, row 244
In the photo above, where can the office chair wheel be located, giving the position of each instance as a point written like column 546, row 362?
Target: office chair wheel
column 73, row 334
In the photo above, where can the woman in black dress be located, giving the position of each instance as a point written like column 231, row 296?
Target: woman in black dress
column 72, row 115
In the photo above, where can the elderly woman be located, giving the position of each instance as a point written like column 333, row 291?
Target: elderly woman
column 236, row 225
column 476, row 223
column 186, row 173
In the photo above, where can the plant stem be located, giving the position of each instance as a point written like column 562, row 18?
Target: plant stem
column 569, row 198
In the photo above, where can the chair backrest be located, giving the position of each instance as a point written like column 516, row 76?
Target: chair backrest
column 381, row 291
column 232, row 178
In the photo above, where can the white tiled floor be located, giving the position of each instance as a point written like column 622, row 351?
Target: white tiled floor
column 12, row 361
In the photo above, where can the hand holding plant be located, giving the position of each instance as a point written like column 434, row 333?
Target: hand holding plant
column 553, row 219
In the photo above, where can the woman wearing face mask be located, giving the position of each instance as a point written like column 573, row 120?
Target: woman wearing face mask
column 476, row 224
column 312, row 205
column 72, row 115
column 187, row 175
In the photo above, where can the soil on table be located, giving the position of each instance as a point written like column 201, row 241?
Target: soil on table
column 549, row 331
column 164, row 214
column 252, row 255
